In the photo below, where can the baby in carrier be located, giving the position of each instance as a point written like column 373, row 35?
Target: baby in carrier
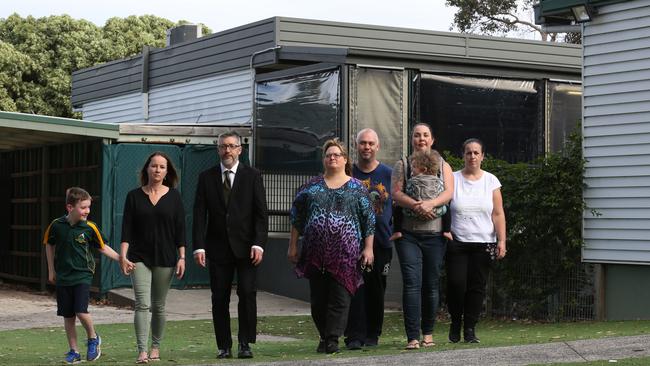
column 424, row 184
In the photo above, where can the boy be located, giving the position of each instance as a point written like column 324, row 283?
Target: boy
column 424, row 184
column 71, row 266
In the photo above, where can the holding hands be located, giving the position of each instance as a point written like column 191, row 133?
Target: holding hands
column 126, row 265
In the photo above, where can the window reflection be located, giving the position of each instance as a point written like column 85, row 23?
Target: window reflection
column 294, row 117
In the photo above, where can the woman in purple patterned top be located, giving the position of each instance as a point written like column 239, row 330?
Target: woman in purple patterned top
column 334, row 216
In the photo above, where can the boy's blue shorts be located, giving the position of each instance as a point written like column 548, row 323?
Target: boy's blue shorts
column 71, row 300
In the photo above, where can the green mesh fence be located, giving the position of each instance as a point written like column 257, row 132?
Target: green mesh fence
column 122, row 163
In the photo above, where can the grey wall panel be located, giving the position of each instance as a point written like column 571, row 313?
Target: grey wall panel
column 219, row 99
column 99, row 94
column 95, row 82
column 621, row 202
column 592, row 110
column 621, row 151
column 463, row 47
column 624, row 172
column 616, row 192
column 621, row 77
column 618, row 129
column 213, row 54
column 638, row 118
column 630, row 239
column 620, row 87
column 125, row 108
column 609, row 256
column 629, row 224
column 632, row 138
column 198, row 73
column 611, row 67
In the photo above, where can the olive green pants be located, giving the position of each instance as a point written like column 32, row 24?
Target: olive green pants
column 150, row 286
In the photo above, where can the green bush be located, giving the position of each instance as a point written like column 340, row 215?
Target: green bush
column 544, row 206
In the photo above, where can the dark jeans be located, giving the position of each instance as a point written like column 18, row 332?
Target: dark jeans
column 366, row 317
column 468, row 266
column 330, row 304
column 221, row 278
column 420, row 258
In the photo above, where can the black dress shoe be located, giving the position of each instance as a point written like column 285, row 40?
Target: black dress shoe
column 354, row 345
column 321, row 346
column 470, row 336
column 244, row 351
column 332, row 347
column 224, row 353
column 454, row 332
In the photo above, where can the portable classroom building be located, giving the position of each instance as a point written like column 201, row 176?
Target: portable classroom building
column 298, row 82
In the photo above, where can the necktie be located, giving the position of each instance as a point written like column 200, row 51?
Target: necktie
column 226, row 184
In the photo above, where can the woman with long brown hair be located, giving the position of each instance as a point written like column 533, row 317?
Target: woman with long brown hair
column 153, row 240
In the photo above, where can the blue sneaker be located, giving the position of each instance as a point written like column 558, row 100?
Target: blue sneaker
column 94, row 348
column 72, row 357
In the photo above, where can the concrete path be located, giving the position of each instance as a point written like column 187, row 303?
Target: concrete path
column 196, row 303
column 612, row 349
column 21, row 309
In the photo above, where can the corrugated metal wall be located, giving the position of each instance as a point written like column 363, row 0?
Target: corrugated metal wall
column 223, row 99
column 617, row 133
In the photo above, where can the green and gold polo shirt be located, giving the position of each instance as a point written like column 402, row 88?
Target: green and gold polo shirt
column 73, row 258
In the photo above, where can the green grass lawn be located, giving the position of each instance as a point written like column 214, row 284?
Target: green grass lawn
column 192, row 341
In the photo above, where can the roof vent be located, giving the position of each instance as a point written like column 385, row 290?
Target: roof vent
column 183, row 33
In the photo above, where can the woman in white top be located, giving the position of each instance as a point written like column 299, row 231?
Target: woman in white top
column 478, row 233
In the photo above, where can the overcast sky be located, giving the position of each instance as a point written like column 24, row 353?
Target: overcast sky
column 225, row 14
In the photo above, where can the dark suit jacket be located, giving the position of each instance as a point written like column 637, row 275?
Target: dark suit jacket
column 226, row 231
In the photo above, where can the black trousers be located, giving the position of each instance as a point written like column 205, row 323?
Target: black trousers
column 366, row 317
column 330, row 304
column 221, row 278
column 468, row 267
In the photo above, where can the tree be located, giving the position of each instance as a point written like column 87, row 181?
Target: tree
column 499, row 17
column 38, row 56
column 16, row 72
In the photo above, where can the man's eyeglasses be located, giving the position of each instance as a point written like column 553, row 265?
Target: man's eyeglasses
column 228, row 146
column 333, row 155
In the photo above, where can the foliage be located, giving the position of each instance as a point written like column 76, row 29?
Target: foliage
column 38, row 55
column 499, row 17
column 544, row 207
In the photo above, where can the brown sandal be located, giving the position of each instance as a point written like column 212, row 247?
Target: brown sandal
column 428, row 344
column 412, row 345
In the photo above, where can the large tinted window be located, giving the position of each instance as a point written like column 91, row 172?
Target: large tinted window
column 294, row 117
column 505, row 114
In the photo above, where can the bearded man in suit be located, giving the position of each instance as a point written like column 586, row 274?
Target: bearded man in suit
column 230, row 230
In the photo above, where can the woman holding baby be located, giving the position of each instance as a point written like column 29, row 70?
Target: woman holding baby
column 421, row 247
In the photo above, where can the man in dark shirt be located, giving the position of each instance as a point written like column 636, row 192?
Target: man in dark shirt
column 366, row 315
